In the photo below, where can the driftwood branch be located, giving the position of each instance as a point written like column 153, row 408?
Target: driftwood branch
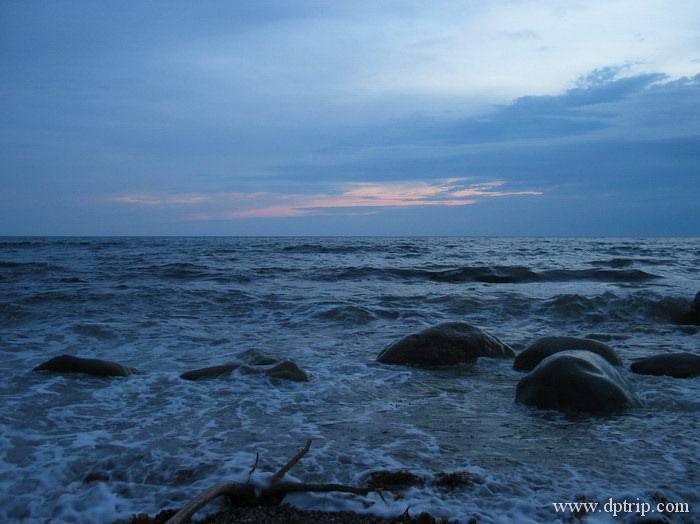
column 234, row 489
column 255, row 466
column 276, row 490
column 289, row 465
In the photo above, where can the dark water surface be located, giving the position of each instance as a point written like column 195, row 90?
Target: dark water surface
column 168, row 305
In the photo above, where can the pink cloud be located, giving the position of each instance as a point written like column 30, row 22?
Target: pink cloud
column 346, row 201
column 477, row 192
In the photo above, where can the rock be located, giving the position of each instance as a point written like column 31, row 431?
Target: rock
column 287, row 371
column 445, row 345
column 678, row 365
column 284, row 371
column 692, row 316
column 212, row 371
column 253, row 357
column 546, row 346
column 90, row 366
column 576, row 380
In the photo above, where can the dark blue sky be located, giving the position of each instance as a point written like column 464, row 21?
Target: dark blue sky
column 511, row 117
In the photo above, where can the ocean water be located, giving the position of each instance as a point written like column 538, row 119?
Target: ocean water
column 86, row 449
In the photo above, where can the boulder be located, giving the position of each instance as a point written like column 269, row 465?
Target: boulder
column 576, row 380
column 543, row 347
column 444, row 345
column 692, row 316
column 284, row 371
column 678, row 365
column 90, row 366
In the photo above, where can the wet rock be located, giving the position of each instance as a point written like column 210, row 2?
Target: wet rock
column 445, row 345
column 90, row 366
column 287, row 371
column 678, row 365
column 692, row 316
column 211, row 371
column 546, row 346
column 284, row 371
column 576, row 380
column 244, row 359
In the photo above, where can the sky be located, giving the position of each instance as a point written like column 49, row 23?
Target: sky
column 370, row 117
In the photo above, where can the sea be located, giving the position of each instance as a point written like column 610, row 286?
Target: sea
column 82, row 449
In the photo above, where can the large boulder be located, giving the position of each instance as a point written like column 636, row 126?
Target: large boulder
column 284, row 371
column 546, row 346
column 90, row 366
column 445, row 345
column 678, row 365
column 576, row 380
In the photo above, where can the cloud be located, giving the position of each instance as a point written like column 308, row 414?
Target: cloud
column 304, row 108
column 159, row 200
column 351, row 199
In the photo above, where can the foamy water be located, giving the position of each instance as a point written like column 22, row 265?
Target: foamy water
column 84, row 449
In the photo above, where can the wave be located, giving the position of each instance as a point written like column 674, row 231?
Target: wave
column 353, row 315
column 27, row 265
column 188, row 271
column 20, row 270
column 493, row 275
column 312, row 249
column 626, row 262
column 94, row 331
column 12, row 314
column 405, row 249
column 611, row 307
column 20, row 243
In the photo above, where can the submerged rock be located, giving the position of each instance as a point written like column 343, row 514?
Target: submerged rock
column 284, row 371
column 90, row 366
column 692, row 316
column 445, row 345
column 576, row 380
column 678, row 365
column 543, row 347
